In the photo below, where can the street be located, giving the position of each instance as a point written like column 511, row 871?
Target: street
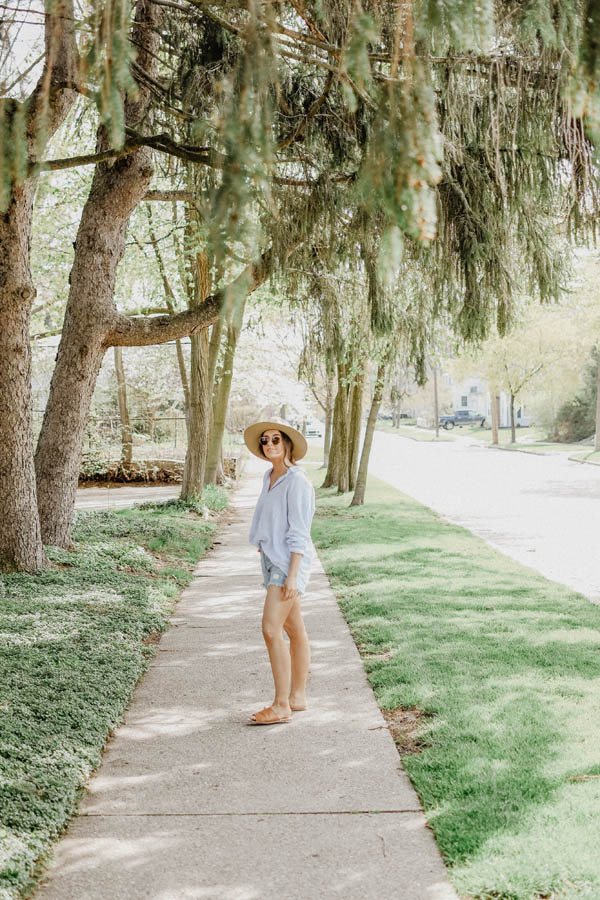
column 544, row 511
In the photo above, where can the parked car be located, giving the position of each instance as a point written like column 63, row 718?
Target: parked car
column 462, row 417
column 313, row 429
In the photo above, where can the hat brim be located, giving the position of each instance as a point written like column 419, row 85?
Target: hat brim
column 253, row 432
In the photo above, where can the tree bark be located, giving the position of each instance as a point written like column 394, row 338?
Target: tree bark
column 495, row 407
column 199, row 418
column 216, row 334
column 116, row 191
column 20, row 537
column 45, row 110
column 332, row 463
column 328, row 421
column 513, row 434
column 597, row 438
column 126, row 433
column 356, row 406
column 234, row 327
column 436, row 403
column 361, row 481
column 338, row 453
column 332, row 476
column 200, row 413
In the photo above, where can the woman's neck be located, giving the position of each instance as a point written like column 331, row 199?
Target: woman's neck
column 279, row 468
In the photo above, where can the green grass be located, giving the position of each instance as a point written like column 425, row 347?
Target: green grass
column 530, row 440
column 505, row 666
column 74, row 640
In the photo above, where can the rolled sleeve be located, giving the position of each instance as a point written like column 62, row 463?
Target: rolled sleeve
column 301, row 507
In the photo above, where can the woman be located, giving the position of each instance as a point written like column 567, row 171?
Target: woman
column 281, row 531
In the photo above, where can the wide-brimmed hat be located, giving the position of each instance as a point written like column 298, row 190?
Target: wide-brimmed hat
column 253, row 432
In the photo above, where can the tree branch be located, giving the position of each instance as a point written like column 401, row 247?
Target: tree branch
column 183, row 196
column 127, row 331
column 54, row 92
column 164, row 144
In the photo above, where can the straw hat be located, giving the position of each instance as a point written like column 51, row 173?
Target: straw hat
column 253, row 432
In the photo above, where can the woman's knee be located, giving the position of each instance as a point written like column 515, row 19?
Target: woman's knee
column 294, row 626
column 271, row 632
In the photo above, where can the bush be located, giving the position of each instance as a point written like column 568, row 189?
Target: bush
column 576, row 419
column 213, row 497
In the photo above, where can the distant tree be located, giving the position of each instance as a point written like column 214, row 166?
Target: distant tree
column 577, row 418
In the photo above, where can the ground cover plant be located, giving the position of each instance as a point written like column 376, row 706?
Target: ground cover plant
column 74, row 639
column 500, row 671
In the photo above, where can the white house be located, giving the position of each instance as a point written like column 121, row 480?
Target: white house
column 473, row 393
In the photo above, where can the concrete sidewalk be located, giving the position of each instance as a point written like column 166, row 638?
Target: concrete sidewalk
column 191, row 803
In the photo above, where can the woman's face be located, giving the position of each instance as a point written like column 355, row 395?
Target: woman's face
column 273, row 451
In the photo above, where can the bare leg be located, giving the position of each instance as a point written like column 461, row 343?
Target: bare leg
column 300, row 654
column 275, row 614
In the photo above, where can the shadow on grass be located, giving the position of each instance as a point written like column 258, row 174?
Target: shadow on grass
column 489, row 648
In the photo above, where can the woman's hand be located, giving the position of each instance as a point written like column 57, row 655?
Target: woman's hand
column 290, row 588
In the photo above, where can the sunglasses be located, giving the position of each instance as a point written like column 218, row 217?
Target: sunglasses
column 273, row 440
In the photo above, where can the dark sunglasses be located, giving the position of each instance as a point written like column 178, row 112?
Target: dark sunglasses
column 274, row 440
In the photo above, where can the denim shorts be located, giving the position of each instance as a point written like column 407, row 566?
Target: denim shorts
column 272, row 574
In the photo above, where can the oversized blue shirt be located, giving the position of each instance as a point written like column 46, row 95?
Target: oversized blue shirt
column 282, row 520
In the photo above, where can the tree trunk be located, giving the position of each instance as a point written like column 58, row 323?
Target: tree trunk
column 200, row 394
column 99, row 247
column 495, row 407
column 356, row 405
column 436, row 403
column 216, row 334
column 597, row 439
column 116, row 190
column 328, row 422
column 41, row 114
column 513, row 434
column 337, row 468
column 100, row 244
column 20, row 537
column 126, row 433
column 332, row 464
column 361, row 481
column 342, row 436
column 199, row 417
column 215, row 443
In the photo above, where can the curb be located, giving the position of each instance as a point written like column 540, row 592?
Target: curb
column 587, row 462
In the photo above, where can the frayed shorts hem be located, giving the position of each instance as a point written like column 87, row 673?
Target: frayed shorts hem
column 272, row 574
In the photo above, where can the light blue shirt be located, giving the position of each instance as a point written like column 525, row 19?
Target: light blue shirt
column 282, row 520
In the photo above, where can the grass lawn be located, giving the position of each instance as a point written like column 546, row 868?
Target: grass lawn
column 532, row 440
column 74, row 640
column 499, row 669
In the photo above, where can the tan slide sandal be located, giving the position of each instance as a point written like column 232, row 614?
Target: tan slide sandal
column 267, row 716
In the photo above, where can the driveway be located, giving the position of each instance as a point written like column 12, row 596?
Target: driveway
column 544, row 511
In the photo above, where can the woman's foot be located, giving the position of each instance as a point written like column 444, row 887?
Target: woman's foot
column 268, row 716
column 297, row 703
column 281, row 710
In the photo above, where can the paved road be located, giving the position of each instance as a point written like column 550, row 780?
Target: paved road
column 542, row 510
column 122, row 495
column 191, row 804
